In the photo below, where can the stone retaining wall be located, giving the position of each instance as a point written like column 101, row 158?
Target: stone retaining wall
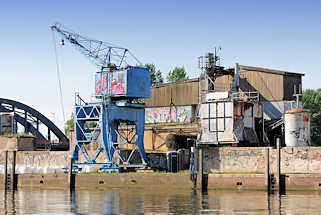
column 53, row 162
column 252, row 159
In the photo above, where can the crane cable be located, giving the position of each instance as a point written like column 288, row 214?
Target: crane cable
column 58, row 76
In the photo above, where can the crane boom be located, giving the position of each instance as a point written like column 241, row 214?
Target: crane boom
column 102, row 54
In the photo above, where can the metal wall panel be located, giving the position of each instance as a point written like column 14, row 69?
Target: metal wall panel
column 215, row 118
column 269, row 85
column 289, row 82
column 223, row 83
column 275, row 109
column 212, row 110
column 273, row 85
column 181, row 93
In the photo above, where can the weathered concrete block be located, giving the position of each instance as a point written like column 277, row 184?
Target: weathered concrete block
column 17, row 143
column 251, row 159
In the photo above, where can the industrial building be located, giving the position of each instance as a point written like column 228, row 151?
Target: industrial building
column 264, row 95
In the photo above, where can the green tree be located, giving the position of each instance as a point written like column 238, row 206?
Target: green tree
column 312, row 101
column 177, row 74
column 69, row 124
column 90, row 124
column 155, row 75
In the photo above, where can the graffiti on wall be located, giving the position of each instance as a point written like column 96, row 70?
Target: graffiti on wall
column 118, row 83
column 168, row 114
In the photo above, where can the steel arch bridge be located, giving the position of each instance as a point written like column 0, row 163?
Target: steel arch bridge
column 30, row 119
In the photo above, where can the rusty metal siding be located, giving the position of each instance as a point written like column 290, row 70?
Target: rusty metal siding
column 223, row 83
column 181, row 93
column 289, row 82
column 273, row 85
column 269, row 85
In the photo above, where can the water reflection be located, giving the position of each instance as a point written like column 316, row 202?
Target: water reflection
column 8, row 202
column 157, row 201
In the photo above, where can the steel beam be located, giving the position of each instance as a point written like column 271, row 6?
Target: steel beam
column 17, row 105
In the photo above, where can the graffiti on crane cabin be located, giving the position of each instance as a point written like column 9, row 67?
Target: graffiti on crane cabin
column 168, row 114
column 117, row 83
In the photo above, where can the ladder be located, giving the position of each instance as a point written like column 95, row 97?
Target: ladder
column 9, row 176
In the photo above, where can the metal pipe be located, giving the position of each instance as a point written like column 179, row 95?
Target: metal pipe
column 236, row 79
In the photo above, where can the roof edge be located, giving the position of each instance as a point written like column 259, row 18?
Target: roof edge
column 178, row 82
column 261, row 69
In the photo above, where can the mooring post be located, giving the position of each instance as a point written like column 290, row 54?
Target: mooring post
column 278, row 159
column 71, row 180
column 13, row 170
column 200, row 167
column 267, row 169
column 203, row 178
column 5, row 169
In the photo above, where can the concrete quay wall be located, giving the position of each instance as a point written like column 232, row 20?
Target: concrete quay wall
column 252, row 160
column 37, row 161
column 43, row 162
column 228, row 167
column 215, row 160
column 164, row 180
column 257, row 181
column 105, row 180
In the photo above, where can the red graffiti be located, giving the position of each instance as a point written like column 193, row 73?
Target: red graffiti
column 104, row 82
column 318, row 157
column 116, row 88
column 97, row 87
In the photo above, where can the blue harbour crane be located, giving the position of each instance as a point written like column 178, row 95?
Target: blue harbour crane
column 118, row 115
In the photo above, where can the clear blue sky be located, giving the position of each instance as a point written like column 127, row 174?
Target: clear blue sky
column 283, row 35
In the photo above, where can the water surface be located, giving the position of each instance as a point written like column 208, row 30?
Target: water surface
column 157, row 201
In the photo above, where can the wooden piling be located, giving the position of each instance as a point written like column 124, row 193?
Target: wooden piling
column 200, row 167
column 267, row 169
column 5, row 169
column 13, row 171
column 278, row 159
column 203, row 178
column 71, row 180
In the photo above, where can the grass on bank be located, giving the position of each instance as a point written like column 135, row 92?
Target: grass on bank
column 16, row 135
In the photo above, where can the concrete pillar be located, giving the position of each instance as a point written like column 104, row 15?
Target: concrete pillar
column 267, row 169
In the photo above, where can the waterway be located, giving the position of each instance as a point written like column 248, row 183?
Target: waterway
column 157, row 201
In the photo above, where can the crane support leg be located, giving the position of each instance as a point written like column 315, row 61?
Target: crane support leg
column 111, row 119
